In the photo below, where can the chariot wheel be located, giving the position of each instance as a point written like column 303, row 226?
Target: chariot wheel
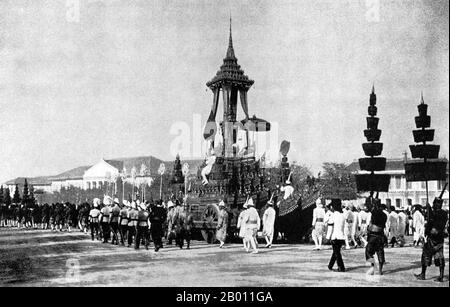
column 210, row 216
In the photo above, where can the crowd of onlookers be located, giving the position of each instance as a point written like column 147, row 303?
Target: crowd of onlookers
column 401, row 222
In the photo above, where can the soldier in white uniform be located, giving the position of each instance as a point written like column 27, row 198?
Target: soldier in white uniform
column 318, row 224
column 269, row 223
column 418, row 226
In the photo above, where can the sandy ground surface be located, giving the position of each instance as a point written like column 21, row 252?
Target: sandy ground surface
column 45, row 258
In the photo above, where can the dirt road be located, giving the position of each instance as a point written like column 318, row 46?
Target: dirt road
column 45, row 258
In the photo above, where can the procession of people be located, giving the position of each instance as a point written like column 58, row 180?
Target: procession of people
column 372, row 226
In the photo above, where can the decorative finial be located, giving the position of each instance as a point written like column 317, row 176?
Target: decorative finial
column 373, row 88
column 231, row 36
column 421, row 98
column 230, row 51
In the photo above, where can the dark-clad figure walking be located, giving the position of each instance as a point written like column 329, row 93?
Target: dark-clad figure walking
column 337, row 236
column 157, row 218
column 434, row 245
column 188, row 225
column 375, row 235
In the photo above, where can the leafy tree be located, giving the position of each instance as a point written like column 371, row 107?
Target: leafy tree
column 32, row 198
column 26, row 193
column 338, row 181
column 7, row 197
column 16, row 197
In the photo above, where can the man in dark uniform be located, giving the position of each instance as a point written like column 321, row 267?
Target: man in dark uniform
column 142, row 227
column 2, row 214
column 68, row 214
column 188, row 225
column 434, row 245
column 59, row 216
column 114, row 221
column 45, row 216
column 53, row 216
column 375, row 235
column 83, row 217
column 157, row 218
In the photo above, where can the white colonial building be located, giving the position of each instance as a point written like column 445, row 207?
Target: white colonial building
column 97, row 176
column 404, row 194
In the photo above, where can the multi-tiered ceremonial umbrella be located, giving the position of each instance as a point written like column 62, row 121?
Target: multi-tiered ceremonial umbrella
column 426, row 167
column 368, row 180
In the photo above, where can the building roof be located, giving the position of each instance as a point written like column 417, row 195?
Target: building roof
column 42, row 180
column 75, row 173
column 152, row 164
column 230, row 70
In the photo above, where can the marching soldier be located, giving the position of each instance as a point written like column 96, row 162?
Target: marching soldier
column 83, row 217
column 170, row 218
column 59, row 216
column 53, row 216
column 104, row 219
column 133, row 216
column 188, row 225
column 123, row 222
column 94, row 220
column 2, row 215
column 178, row 224
column 157, row 218
column 114, row 221
column 142, row 227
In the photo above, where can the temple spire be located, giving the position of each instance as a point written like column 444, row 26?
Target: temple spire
column 230, row 51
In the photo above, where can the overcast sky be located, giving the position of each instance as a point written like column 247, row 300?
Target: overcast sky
column 111, row 81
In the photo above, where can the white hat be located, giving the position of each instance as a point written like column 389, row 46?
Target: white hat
column 245, row 206
column 107, row 200
column 116, row 200
column 170, row 204
column 143, row 207
column 96, row 202
column 133, row 205
column 250, row 202
column 222, row 204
